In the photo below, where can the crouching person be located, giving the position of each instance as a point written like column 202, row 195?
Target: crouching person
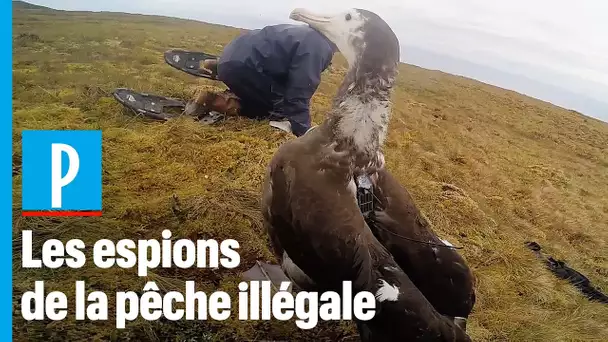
column 271, row 74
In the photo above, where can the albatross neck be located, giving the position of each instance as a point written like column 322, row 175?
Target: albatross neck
column 361, row 111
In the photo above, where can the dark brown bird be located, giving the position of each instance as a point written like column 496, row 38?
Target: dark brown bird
column 310, row 207
column 437, row 270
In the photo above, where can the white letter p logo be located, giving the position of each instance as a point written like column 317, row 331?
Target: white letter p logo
column 57, row 181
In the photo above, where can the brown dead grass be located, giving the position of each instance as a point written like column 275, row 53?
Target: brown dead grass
column 490, row 168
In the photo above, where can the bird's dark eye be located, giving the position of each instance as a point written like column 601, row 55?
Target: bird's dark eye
column 348, row 17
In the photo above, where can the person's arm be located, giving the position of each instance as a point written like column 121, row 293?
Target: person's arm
column 307, row 64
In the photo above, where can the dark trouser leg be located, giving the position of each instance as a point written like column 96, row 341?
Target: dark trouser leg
column 254, row 89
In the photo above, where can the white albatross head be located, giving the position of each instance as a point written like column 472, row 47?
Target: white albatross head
column 357, row 33
column 361, row 109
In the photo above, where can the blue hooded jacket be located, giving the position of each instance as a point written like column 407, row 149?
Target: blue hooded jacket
column 292, row 57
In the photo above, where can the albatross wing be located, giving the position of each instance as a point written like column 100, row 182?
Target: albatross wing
column 440, row 273
column 313, row 221
column 319, row 235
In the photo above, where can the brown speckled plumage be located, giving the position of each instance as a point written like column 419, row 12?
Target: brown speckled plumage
column 311, row 213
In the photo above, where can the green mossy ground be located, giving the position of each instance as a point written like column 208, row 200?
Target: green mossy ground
column 489, row 167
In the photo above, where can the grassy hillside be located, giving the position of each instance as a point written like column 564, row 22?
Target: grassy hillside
column 22, row 5
column 490, row 168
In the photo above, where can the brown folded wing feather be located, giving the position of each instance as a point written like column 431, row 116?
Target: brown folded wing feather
column 440, row 273
column 311, row 215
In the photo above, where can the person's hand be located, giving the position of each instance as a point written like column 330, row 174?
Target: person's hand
column 209, row 66
column 282, row 125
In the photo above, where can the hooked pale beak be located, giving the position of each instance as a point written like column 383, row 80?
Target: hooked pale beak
column 305, row 16
column 321, row 23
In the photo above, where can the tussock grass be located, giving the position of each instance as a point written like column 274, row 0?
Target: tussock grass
column 489, row 167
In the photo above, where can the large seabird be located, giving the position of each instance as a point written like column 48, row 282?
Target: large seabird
column 310, row 206
column 432, row 264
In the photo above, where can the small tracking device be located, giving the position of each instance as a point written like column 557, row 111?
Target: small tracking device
column 365, row 195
